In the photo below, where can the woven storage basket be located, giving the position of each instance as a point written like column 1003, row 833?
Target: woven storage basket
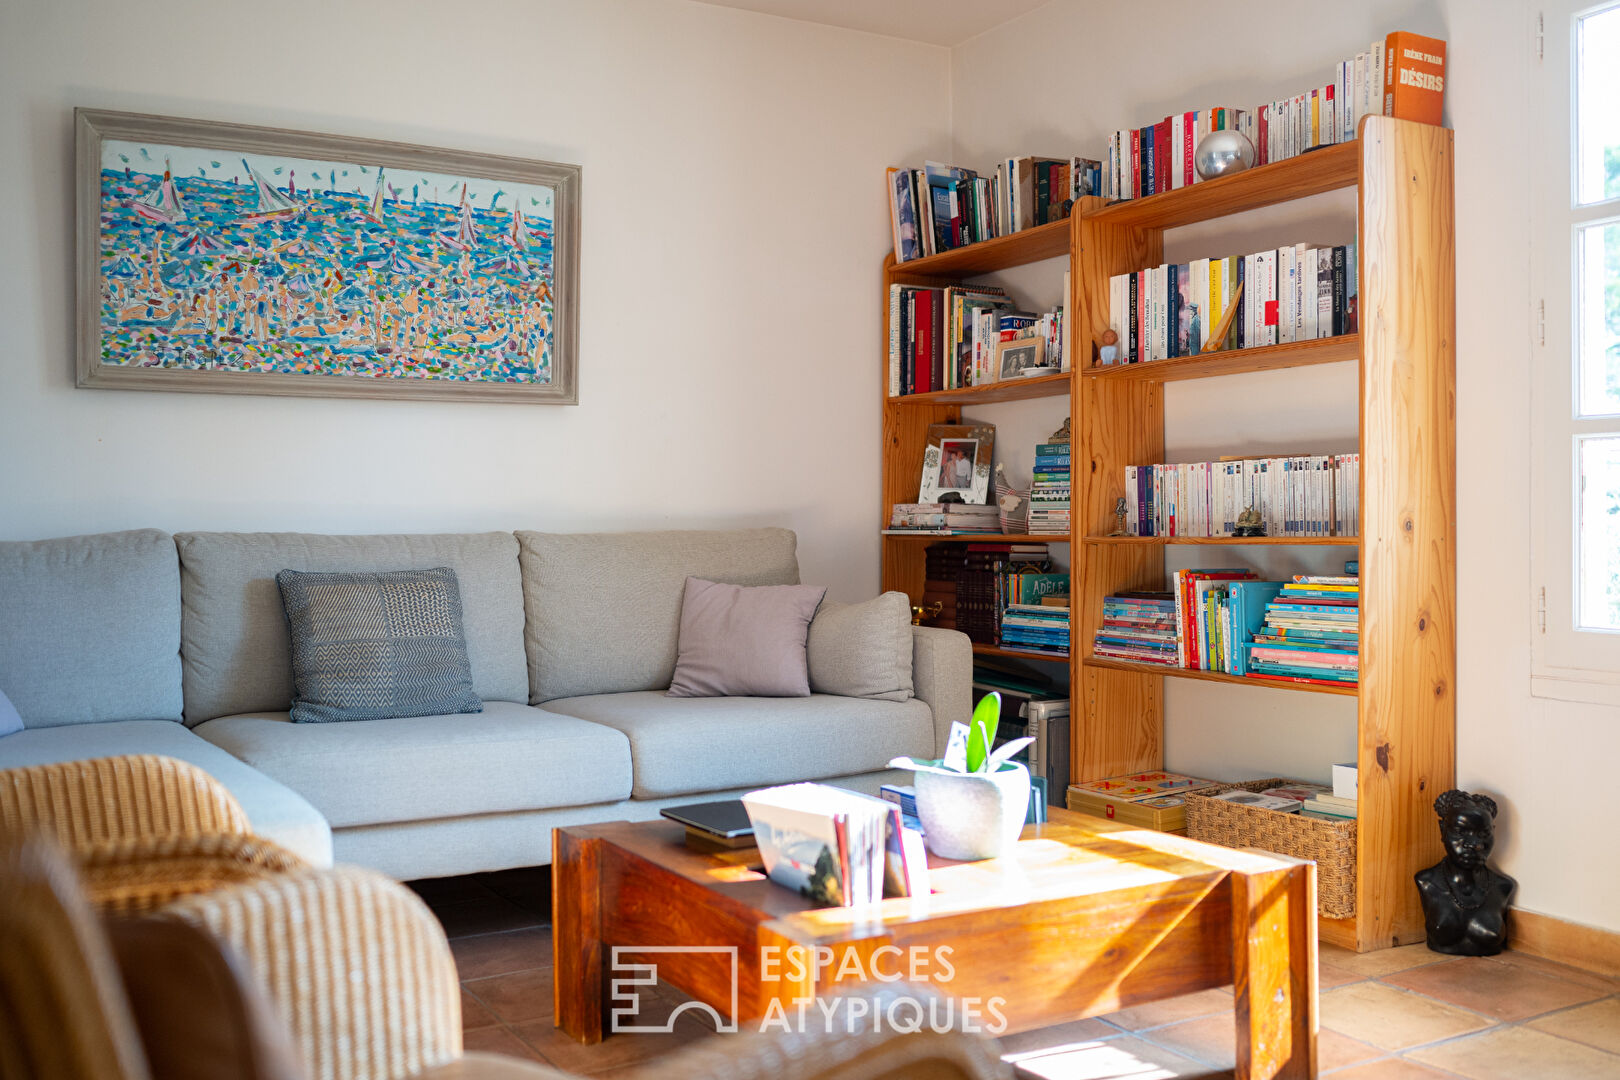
column 1330, row 844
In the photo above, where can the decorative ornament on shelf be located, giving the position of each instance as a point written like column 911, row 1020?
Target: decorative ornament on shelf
column 921, row 613
column 1464, row 901
column 1249, row 524
column 1222, row 153
column 1108, row 351
column 1062, row 433
column 973, row 801
column 1119, row 518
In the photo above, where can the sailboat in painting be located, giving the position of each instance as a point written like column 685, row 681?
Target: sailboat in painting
column 466, row 234
column 163, row 206
column 273, row 204
column 374, row 212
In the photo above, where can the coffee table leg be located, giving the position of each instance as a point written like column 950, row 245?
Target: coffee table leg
column 1274, row 973
column 576, row 935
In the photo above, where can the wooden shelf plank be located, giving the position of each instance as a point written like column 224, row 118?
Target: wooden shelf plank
column 1215, row 676
column 1016, row 249
column 1049, row 538
column 1036, row 386
column 1311, row 173
column 1331, row 350
column 1019, row 654
column 1229, row 541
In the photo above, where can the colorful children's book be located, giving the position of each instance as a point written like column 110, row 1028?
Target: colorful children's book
column 1145, row 785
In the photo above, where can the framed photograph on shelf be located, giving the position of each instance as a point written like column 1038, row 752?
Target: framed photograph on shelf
column 956, row 461
column 232, row 259
column 1014, row 358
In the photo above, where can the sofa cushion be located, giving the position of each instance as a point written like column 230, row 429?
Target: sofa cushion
column 604, row 609
column 238, row 656
column 369, row 646
column 274, row 811
column 90, row 628
column 683, row 745
column 369, row 772
column 862, row 650
column 745, row 640
column 10, row 721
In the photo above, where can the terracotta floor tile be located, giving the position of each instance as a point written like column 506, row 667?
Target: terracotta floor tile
column 1379, row 962
column 473, row 1013
column 1171, row 1010
column 514, row 998
column 1335, row 1051
column 1209, row 1039
column 489, row 915
column 1597, row 1024
column 1520, row 1053
column 497, row 1040
column 1505, row 991
column 484, row 955
column 1557, row 970
column 1391, row 1069
column 1115, row 1059
column 1057, row 1037
column 1330, row 975
column 1393, row 1019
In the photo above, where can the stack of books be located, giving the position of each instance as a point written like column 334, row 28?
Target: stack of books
column 837, row 847
column 1305, row 495
column 1310, row 632
column 1038, row 628
column 942, row 566
column 1290, row 294
column 980, row 587
column 1049, row 492
column 1139, row 626
column 943, row 519
column 1339, row 804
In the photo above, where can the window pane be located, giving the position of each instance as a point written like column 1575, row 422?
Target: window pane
column 1600, row 533
column 1598, row 134
column 1597, row 307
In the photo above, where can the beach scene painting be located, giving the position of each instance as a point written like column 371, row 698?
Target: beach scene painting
column 253, row 260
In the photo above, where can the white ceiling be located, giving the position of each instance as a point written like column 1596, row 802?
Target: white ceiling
column 937, row 22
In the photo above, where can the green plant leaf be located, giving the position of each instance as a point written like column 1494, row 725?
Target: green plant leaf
column 982, row 731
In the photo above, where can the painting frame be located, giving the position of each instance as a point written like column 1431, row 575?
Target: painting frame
column 940, row 436
column 1022, row 354
column 93, row 126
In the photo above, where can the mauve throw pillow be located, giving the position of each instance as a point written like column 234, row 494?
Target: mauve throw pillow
column 744, row 641
column 375, row 646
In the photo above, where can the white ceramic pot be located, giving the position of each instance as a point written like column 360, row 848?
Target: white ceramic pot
column 973, row 815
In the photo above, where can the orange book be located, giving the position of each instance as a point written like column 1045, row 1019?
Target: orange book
column 1414, row 77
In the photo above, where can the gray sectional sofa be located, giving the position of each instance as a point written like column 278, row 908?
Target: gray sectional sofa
column 141, row 642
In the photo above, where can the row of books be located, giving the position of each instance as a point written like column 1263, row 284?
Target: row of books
column 838, row 848
column 1310, row 632
column 1041, row 628
column 1287, row 294
column 1051, row 490
column 1402, row 76
column 953, row 337
column 1305, row 495
column 940, row 207
column 944, row 519
column 984, row 584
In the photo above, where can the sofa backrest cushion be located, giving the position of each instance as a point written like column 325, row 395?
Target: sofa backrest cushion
column 234, row 637
column 604, row 609
column 90, row 628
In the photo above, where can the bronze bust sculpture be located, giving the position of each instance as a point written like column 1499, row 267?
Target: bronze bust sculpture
column 1464, row 901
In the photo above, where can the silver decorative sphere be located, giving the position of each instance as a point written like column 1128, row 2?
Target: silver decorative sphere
column 1223, row 152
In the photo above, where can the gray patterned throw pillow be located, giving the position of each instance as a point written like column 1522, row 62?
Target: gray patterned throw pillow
column 372, row 646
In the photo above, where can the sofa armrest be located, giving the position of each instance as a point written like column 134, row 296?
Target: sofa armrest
column 942, row 676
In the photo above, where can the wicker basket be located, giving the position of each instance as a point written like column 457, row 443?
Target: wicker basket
column 1330, row 844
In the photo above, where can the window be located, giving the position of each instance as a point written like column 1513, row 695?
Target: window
column 1577, row 356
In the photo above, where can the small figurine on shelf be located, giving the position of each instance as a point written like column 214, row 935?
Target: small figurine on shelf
column 1119, row 518
column 1464, row 901
column 1108, row 351
column 1249, row 524
column 1061, row 434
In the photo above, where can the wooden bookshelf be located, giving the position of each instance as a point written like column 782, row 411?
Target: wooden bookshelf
column 1405, row 702
column 1036, row 386
column 1015, row 653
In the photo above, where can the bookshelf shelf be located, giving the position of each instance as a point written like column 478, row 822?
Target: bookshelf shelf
column 1406, row 702
column 1312, row 173
column 1036, row 386
column 1019, row 654
column 1044, row 538
column 1228, row 541
column 1215, row 676
column 988, row 256
column 1345, row 347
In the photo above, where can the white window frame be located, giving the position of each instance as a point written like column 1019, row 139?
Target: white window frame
column 1566, row 663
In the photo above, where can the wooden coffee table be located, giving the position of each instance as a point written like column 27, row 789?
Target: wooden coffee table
column 1085, row 917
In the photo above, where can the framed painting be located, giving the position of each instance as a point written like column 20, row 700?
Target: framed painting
column 247, row 260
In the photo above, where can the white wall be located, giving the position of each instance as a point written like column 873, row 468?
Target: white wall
column 732, row 232
column 1057, row 81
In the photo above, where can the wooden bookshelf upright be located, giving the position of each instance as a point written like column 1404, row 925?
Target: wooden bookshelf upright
column 1406, row 700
